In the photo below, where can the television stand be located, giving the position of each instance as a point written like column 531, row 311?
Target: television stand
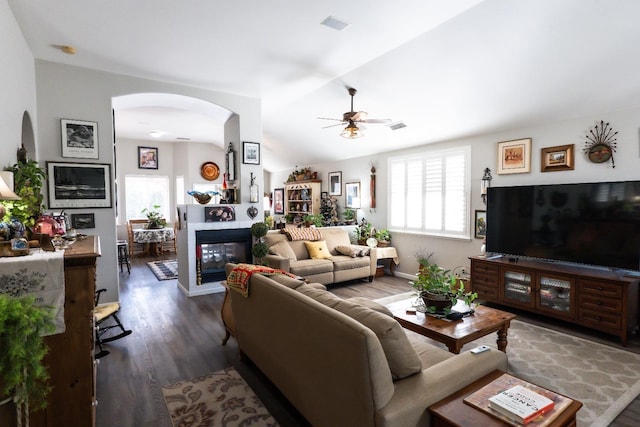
column 602, row 300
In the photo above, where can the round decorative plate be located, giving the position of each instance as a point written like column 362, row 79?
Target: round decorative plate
column 599, row 153
column 209, row 171
column 372, row 242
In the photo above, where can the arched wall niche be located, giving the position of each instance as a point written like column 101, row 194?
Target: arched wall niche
column 28, row 140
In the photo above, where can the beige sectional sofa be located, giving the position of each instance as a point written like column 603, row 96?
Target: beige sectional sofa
column 346, row 362
column 341, row 261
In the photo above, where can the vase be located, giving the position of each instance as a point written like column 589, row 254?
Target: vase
column 153, row 226
column 439, row 301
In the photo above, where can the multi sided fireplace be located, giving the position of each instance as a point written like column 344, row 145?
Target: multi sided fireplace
column 215, row 248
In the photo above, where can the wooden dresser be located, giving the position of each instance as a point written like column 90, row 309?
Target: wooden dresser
column 72, row 368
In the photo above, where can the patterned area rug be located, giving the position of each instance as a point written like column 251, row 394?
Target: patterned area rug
column 222, row 398
column 164, row 270
column 605, row 379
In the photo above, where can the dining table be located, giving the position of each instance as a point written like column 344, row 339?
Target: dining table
column 153, row 238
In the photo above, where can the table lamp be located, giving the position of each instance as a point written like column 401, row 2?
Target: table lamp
column 6, row 184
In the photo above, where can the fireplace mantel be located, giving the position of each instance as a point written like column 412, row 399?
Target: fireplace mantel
column 192, row 221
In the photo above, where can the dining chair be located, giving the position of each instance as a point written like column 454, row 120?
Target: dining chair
column 133, row 245
column 170, row 245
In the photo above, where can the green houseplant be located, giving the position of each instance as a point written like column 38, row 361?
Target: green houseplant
column 22, row 372
column 155, row 217
column 439, row 289
column 313, row 220
column 383, row 237
column 363, row 232
column 349, row 215
column 28, row 179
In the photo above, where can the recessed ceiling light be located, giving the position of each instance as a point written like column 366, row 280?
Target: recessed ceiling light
column 155, row 134
column 335, row 23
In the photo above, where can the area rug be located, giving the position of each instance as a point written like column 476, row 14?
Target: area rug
column 222, row 398
column 605, row 379
column 164, row 270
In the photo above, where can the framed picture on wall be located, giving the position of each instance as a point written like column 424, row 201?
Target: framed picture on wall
column 560, row 158
column 335, row 183
column 480, row 225
column 83, row 220
column 278, row 201
column 79, row 139
column 251, row 153
column 79, row 185
column 514, row 156
column 352, row 195
column 147, row 157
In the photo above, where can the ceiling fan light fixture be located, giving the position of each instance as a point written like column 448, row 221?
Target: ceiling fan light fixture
column 351, row 131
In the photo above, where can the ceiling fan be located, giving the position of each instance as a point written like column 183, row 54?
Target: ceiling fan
column 350, row 118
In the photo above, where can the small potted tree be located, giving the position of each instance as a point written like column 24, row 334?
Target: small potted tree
column 260, row 248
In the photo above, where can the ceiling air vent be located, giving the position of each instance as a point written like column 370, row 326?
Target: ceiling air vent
column 335, row 23
column 182, row 138
column 396, row 125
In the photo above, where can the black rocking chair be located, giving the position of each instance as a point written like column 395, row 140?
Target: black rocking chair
column 102, row 313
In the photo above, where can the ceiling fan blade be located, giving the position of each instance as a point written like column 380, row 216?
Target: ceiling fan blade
column 359, row 115
column 328, row 118
column 337, row 124
column 376, row 121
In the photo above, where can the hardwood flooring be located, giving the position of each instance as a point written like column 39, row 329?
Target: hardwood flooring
column 176, row 338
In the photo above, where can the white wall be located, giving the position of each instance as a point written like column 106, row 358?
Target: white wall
column 17, row 86
column 69, row 92
column 452, row 253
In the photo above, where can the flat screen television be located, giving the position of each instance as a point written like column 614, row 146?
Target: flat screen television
column 596, row 224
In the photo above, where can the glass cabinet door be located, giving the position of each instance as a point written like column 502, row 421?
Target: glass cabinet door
column 556, row 293
column 517, row 286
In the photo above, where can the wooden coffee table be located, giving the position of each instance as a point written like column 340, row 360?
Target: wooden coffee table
column 452, row 411
column 455, row 334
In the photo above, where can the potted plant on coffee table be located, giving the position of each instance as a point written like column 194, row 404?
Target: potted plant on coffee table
column 439, row 289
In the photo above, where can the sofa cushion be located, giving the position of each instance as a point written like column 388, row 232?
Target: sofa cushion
column 310, row 267
column 366, row 302
column 342, row 262
column 284, row 250
column 318, row 250
column 310, row 234
column 400, row 354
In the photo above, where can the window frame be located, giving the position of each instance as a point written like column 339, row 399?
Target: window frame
column 409, row 160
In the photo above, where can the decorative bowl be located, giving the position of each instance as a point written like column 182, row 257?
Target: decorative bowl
column 202, row 198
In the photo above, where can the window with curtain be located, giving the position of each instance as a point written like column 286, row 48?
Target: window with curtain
column 145, row 191
column 429, row 193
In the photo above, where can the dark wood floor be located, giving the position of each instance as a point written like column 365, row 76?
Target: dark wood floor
column 176, row 338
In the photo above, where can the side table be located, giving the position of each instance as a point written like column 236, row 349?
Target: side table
column 388, row 252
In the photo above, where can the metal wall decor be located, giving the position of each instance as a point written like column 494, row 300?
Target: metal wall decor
column 601, row 143
column 372, row 187
column 231, row 163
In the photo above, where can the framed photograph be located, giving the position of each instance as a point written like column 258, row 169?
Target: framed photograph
column 251, row 153
column 79, row 139
column 480, row 225
column 324, row 195
column 278, row 201
column 85, row 220
column 79, row 185
column 335, row 183
column 147, row 157
column 352, row 193
column 219, row 214
column 514, row 156
column 560, row 158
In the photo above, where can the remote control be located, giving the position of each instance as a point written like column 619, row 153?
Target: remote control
column 480, row 349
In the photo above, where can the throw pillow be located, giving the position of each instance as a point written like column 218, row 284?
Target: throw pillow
column 318, row 250
column 311, row 234
column 401, row 355
column 284, row 250
column 349, row 251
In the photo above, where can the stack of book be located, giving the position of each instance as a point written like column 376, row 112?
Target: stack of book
column 518, row 402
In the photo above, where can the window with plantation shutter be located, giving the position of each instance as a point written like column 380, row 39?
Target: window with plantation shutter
column 429, row 193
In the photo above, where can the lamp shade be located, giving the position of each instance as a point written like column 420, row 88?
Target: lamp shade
column 6, row 182
column 351, row 131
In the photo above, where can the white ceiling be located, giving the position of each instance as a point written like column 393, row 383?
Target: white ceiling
column 447, row 69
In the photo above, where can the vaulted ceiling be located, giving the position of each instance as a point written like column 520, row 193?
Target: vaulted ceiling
column 446, row 69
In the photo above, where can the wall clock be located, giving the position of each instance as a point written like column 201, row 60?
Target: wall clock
column 601, row 143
